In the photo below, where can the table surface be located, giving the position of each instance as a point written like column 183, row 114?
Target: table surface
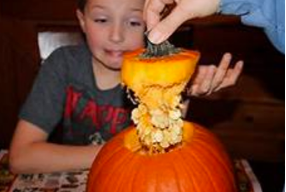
column 75, row 181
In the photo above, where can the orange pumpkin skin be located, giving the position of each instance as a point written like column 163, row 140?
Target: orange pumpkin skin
column 164, row 71
column 200, row 164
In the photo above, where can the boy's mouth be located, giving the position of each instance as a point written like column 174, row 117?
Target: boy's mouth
column 115, row 53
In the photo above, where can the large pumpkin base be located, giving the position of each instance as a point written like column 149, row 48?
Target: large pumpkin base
column 199, row 164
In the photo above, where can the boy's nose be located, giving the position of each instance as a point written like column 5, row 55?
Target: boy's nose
column 117, row 34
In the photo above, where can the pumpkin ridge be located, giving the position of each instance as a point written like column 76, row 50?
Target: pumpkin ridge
column 142, row 175
column 220, row 172
column 164, row 177
column 101, row 166
column 165, row 164
column 126, row 173
column 219, row 159
column 197, row 159
column 223, row 157
column 183, row 166
column 113, row 169
column 179, row 187
column 216, row 158
column 130, row 184
column 102, row 159
column 193, row 172
column 205, row 174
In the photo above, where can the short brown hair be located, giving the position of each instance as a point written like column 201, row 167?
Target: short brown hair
column 81, row 4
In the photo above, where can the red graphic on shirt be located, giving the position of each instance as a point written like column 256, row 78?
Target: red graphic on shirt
column 99, row 115
column 72, row 100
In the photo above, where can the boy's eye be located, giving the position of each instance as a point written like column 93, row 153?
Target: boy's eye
column 135, row 23
column 100, row 20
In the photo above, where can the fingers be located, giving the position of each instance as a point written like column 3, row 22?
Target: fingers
column 206, row 84
column 221, row 71
column 199, row 74
column 198, row 77
column 232, row 76
column 209, row 79
column 202, row 81
column 152, row 11
column 159, row 31
column 165, row 28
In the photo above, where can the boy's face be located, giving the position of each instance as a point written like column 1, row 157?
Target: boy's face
column 112, row 27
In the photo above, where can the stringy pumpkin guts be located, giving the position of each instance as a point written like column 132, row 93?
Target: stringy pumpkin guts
column 157, row 83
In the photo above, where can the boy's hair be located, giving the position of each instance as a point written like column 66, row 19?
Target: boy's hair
column 81, row 4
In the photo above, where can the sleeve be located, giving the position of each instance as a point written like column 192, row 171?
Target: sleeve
column 268, row 14
column 45, row 103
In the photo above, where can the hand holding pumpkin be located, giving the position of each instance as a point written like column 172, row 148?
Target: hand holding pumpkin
column 211, row 78
column 182, row 10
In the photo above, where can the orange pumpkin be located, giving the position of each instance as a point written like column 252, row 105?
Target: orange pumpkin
column 162, row 153
column 200, row 164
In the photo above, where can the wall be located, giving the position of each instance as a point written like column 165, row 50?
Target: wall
column 20, row 20
column 18, row 66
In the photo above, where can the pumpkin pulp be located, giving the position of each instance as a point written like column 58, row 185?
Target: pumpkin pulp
column 132, row 143
column 157, row 76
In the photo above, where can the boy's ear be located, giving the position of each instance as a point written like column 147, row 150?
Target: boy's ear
column 80, row 18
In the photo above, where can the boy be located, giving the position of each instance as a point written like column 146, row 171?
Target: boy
column 81, row 84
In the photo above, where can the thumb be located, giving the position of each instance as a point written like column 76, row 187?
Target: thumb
column 165, row 28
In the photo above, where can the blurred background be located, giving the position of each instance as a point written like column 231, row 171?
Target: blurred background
column 249, row 118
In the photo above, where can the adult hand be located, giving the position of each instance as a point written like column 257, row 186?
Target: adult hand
column 209, row 78
column 159, row 30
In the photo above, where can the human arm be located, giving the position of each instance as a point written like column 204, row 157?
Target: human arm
column 211, row 78
column 267, row 14
column 31, row 153
column 40, row 114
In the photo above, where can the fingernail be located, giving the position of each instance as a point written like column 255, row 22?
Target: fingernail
column 241, row 63
column 228, row 56
column 155, row 37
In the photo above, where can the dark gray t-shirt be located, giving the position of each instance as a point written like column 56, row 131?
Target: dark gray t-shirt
column 65, row 91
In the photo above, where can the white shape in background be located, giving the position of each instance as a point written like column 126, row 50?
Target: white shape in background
column 49, row 41
column 252, row 177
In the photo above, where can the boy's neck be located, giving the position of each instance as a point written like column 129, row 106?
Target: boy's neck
column 105, row 78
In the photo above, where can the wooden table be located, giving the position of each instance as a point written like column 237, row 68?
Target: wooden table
column 75, row 181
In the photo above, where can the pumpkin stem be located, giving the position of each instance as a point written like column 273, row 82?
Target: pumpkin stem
column 163, row 49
